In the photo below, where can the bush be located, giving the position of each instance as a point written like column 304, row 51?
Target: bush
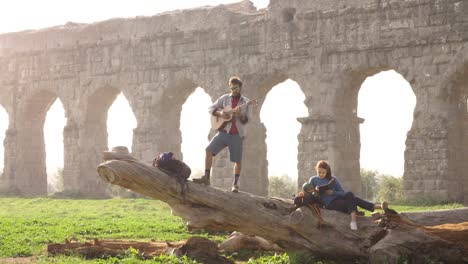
column 282, row 186
column 390, row 189
column 426, row 201
column 55, row 183
column 370, row 188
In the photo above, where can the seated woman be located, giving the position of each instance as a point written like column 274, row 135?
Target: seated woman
column 335, row 198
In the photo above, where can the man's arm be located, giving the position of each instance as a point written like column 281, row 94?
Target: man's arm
column 216, row 107
column 244, row 118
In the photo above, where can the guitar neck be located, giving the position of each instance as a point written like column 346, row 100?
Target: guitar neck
column 245, row 104
column 229, row 108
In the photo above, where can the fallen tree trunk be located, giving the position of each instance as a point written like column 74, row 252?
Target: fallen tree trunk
column 276, row 220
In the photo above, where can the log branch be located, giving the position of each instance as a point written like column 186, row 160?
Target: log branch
column 205, row 207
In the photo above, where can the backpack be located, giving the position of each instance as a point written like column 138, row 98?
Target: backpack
column 311, row 200
column 306, row 198
column 173, row 167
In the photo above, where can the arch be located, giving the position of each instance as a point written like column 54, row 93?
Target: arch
column 121, row 122
column 283, row 104
column 346, row 124
column 54, row 125
column 386, row 102
column 195, row 128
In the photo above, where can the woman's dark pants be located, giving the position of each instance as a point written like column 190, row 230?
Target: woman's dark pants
column 349, row 203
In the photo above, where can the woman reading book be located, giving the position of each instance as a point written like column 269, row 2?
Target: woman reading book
column 334, row 197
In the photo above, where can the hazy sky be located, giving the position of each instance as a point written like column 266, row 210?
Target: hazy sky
column 386, row 100
column 19, row 15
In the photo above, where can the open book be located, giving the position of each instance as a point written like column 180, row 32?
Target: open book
column 325, row 187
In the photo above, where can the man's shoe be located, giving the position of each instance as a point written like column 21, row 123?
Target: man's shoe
column 235, row 188
column 203, row 180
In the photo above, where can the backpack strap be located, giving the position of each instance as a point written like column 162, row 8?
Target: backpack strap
column 316, row 209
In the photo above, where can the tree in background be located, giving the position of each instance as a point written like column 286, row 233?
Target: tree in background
column 55, row 183
column 282, row 186
column 370, row 188
column 390, row 188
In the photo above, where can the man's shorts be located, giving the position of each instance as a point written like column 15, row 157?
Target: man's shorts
column 222, row 140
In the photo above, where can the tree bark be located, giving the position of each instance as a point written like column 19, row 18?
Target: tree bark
column 198, row 248
column 205, row 207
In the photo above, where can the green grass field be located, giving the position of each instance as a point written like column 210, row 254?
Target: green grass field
column 28, row 225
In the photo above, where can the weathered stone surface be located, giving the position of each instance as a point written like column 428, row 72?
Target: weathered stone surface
column 328, row 47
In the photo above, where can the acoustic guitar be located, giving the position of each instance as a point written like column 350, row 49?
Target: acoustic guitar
column 218, row 122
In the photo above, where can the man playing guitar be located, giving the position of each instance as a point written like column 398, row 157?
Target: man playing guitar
column 234, row 108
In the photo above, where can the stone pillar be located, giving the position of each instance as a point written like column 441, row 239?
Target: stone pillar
column 321, row 139
column 144, row 146
column 158, row 131
column 464, row 155
column 254, row 174
column 347, row 149
column 7, row 183
column 315, row 143
column 93, row 142
column 222, row 170
column 426, row 164
column 71, row 159
column 30, row 175
column 331, row 132
column 254, row 178
column 463, row 147
column 433, row 146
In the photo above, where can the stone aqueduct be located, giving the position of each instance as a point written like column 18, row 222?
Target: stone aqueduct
column 328, row 47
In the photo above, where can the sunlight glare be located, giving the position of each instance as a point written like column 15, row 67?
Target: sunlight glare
column 120, row 123
column 283, row 104
column 386, row 101
column 49, row 13
column 53, row 137
column 195, row 127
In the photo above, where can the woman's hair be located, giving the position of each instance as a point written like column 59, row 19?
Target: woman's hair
column 324, row 165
